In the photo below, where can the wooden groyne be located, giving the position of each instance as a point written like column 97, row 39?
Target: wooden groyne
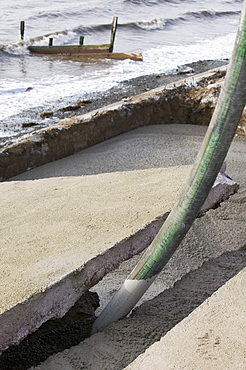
column 81, row 51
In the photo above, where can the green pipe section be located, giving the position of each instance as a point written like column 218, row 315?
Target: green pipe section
column 209, row 160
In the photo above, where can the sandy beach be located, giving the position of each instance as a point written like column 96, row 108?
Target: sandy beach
column 128, row 181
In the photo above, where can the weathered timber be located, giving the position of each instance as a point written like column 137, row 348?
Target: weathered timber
column 113, row 32
column 103, row 51
column 137, row 57
column 92, row 55
column 81, row 40
column 22, row 29
column 70, row 49
column 104, row 55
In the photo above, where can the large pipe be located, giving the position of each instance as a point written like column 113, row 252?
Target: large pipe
column 215, row 146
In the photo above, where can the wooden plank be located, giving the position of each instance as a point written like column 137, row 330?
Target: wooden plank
column 69, row 49
column 93, row 57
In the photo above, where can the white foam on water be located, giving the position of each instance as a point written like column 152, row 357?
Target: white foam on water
column 163, row 59
column 16, row 97
column 154, row 24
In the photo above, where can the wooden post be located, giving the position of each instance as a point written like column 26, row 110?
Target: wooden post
column 81, row 40
column 113, row 31
column 22, row 29
column 50, row 41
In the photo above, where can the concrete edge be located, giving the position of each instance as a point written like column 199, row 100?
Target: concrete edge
column 57, row 299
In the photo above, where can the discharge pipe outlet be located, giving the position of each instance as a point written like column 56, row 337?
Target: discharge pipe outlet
column 212, row 153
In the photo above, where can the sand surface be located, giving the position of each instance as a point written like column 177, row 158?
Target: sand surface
column 52, row 237
column 207, row 344
column 109, row 191
column 210, row 255
column 206, row 259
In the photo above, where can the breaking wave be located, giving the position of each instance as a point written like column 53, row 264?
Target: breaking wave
column 211, row 14
column 157, row 23
column 161, row 23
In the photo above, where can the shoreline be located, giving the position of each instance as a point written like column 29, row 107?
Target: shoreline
column 30, row 121
column 189, row 100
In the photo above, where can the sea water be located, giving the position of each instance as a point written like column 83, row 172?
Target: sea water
column 168, row 33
